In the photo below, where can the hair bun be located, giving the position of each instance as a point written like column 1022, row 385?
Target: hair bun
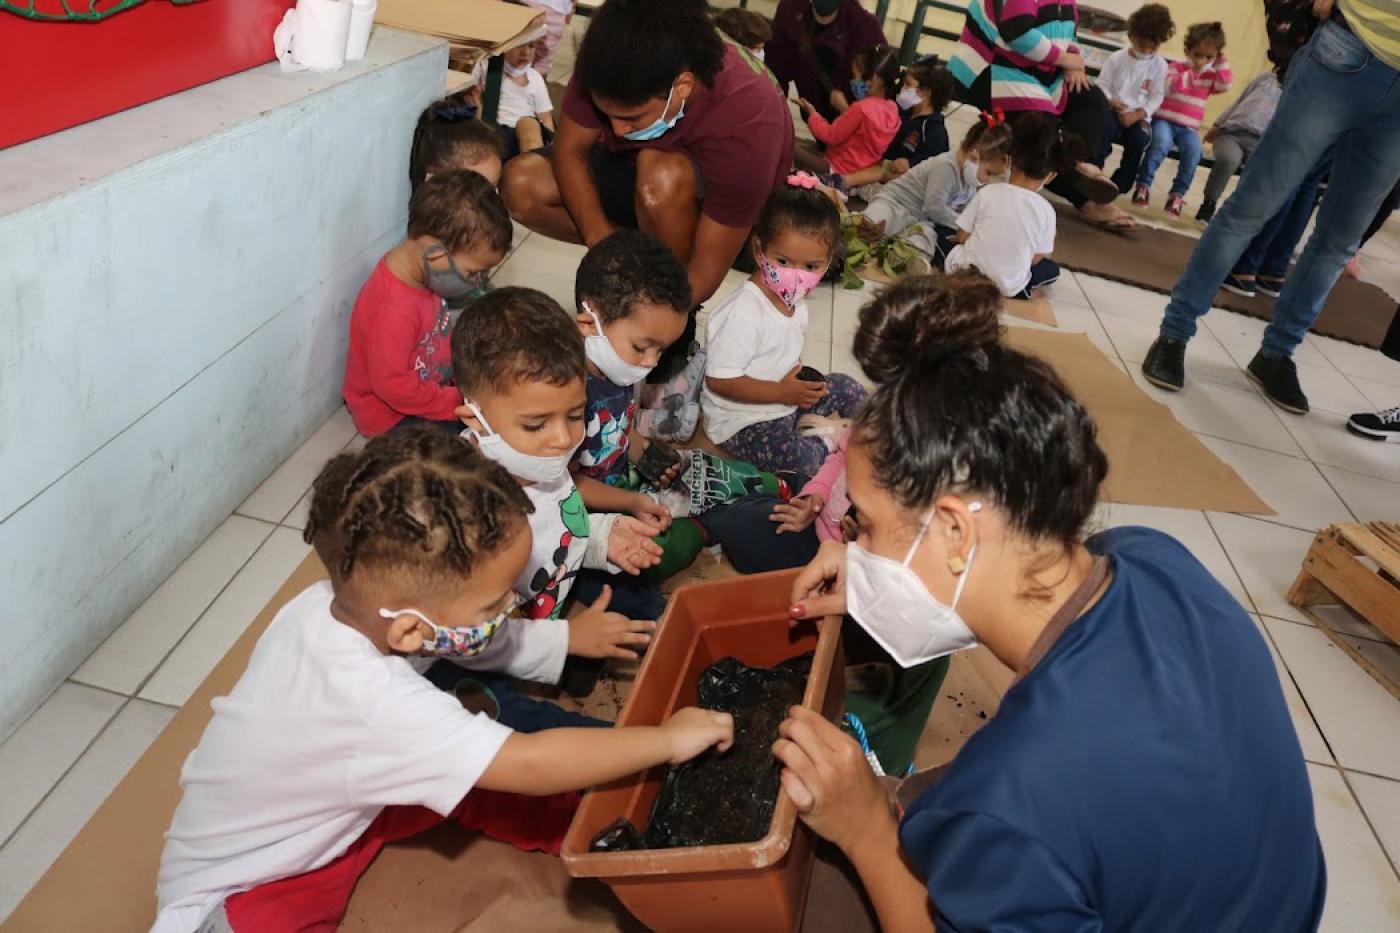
column 926, row 319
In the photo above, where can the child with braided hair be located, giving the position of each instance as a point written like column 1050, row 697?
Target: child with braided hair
column 331, row 746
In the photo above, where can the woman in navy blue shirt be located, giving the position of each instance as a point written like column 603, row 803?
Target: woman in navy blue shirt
column 1142, row 771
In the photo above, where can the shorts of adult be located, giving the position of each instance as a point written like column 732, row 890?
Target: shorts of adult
column 615, row 176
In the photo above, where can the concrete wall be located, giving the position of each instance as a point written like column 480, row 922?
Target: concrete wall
column 175, row 288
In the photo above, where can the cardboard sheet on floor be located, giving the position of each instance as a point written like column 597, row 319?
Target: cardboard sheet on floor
column 1152, row 458
column 1154, row 259
column 106, row 878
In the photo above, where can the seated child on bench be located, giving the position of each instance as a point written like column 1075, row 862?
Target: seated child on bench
column 930, row 195
column 331, row 746
column 449, row 136
column 520, row 373
column 399, row 366
column 1008, row 231
column 525, row 116
column 633, row 298
column 755, row 385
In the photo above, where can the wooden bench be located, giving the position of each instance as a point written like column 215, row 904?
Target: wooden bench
column 1356, row 566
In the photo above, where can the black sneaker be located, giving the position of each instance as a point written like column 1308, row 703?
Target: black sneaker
column 1165, row 366
column 1271, row 287
column 1378, row 426
column 1279, row 380
column 1238, row 286
column 1206, row 212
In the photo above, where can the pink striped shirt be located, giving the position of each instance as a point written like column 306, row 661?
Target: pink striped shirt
column 1185, row 103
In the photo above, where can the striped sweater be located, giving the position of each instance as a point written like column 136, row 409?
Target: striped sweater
column 1008, row 53
column 1185, row 103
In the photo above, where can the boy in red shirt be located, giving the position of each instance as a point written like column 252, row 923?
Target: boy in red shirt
column 399, row 368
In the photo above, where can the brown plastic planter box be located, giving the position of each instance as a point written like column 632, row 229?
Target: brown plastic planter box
column 751, row 886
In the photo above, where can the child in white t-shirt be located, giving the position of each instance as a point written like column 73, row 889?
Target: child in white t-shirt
column 525, row 115
column 929, row 197
column 1134, row 80
column 331, row 746
column 1008, row 230
column 518, row 360
column 755, row 390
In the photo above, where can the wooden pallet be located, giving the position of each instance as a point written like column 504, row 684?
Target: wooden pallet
column 1339, row 570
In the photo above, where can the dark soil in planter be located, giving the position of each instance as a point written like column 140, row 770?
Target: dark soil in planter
column 717, row 799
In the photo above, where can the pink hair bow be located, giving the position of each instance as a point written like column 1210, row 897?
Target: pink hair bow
column 802, row 180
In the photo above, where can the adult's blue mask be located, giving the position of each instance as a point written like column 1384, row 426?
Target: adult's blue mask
column 860, row 88
column 661, row 125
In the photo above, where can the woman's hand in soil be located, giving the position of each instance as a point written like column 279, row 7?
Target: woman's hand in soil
column 630, row 546
column 692, row 730
column 598, row 633
column 797, row 514
column 651, row 513
column 829, row 779
column 820, row 589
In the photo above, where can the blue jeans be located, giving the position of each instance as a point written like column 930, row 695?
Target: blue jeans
column 1165, row 136
column 1271, row 250
column 744, row 528
column 1043, row 273
column 1135, row 140
column 1338, row 96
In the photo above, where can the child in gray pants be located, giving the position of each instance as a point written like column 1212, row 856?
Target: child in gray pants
column 1235, row 134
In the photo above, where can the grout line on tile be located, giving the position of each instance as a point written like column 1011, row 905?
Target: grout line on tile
column 1391, row 858
column 1378, row 641
column 98, row 688
column 251, row 518
column 185, row 634
column 1335, row 491
column 59, row 780
column 1372, row 774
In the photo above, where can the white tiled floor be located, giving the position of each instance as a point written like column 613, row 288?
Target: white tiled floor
column 60, row 765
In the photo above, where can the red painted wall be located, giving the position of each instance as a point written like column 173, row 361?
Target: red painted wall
column 54, row 75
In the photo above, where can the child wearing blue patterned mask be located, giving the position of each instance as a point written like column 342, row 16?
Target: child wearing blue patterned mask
column 331, row 746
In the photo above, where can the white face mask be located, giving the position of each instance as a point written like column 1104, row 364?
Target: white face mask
column 891, row 603
column 908, row 98
column 601, row 353
column 757, row 53
column 465, row 642
column 970, row 174
column 529, row 467
column 516, row 71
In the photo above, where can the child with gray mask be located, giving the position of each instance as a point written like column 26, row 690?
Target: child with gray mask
column 399, row 367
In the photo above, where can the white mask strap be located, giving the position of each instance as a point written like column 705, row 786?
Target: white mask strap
column 923, row 530
column 484, row 423
column 395, row 613
column 597, row 321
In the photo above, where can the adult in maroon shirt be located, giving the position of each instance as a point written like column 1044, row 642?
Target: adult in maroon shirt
column 813, row 44
column 667, row 127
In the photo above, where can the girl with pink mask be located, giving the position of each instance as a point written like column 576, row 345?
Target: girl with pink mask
column 759, row 401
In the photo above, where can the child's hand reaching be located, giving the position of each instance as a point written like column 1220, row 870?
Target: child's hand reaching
column 798, row 513
column 692, row 730
column 1210, row 135
column 597, row 633
column 800, row 392
column 806, row 107
column 630, row 546
column 653, row 514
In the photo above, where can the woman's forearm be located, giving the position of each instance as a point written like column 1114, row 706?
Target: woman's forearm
column 900, row 897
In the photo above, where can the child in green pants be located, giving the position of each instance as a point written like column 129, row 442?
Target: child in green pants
column 633, row 298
